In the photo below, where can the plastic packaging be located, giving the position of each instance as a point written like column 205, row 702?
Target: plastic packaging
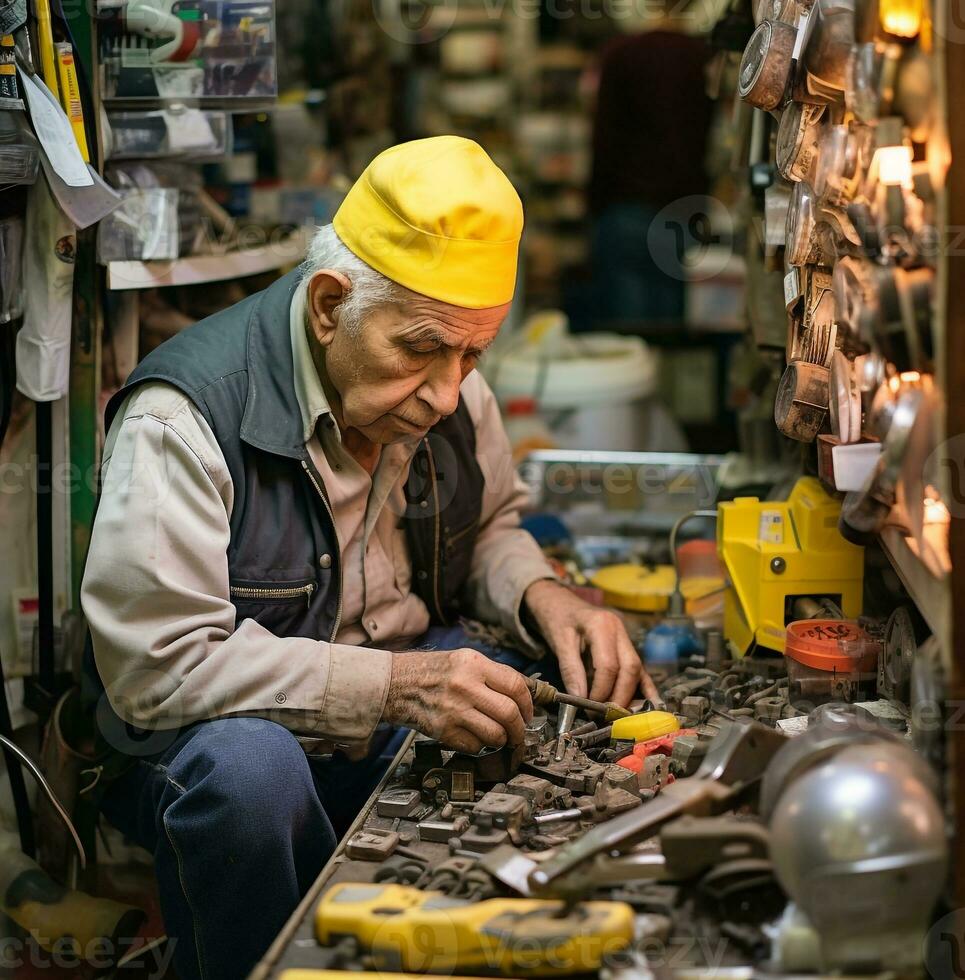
column 193, row 134
column 210, row 49
column 19, row 150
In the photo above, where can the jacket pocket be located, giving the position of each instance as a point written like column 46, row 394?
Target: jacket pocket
column 280, row 606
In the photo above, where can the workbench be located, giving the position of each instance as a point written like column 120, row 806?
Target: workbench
column 691, row 940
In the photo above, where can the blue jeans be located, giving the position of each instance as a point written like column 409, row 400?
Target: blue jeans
column 240, row 822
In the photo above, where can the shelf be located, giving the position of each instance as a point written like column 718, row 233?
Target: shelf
column 924, row 578
column 196, row 269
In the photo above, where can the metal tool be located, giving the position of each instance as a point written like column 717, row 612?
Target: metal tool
column 544, row 693
column 566, row 718
column 735, row 761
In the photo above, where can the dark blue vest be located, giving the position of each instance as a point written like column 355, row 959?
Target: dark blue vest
column 283, row 557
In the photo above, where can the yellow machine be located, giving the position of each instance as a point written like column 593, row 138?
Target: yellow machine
column 778, row 552
column 409, row 930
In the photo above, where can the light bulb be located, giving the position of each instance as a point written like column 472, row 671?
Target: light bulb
column 894, row 165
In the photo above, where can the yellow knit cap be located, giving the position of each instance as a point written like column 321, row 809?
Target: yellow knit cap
column 438, row 216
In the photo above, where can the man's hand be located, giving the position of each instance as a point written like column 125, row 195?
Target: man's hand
column 459, row 697
column 569, row 625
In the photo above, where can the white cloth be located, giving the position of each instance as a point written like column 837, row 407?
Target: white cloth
column 43, row 342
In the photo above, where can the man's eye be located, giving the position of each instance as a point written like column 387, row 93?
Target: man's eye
column 422, row 348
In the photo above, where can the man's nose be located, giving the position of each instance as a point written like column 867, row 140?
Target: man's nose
column 440, row 390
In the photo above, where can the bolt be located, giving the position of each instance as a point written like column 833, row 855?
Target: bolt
column 778, row 565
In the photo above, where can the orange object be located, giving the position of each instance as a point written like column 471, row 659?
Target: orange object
column 662, row 745
column 698, row 559
column 830, row 645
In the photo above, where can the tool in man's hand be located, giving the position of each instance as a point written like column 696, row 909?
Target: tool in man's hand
column 404, row 928
column 546, row 694
column 564, row 723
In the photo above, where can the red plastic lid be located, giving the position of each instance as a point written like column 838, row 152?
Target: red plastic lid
column 698, row 546
column 521, row 406
column 830, row 644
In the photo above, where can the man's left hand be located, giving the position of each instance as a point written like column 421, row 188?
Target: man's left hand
column 569, row 625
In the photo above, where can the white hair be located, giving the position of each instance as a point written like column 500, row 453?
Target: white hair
column 369, row 291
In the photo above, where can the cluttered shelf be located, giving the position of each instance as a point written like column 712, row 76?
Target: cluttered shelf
column 195, row 269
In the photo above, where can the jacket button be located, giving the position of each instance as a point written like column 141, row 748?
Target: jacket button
column 423, row 504
column 422, row 575
column 325, row 561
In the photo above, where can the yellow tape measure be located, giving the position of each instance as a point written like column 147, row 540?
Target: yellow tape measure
column 405, row 929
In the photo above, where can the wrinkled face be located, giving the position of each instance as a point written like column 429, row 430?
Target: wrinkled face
column 398, row 373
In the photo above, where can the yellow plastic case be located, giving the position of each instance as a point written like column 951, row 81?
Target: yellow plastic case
column 778, row 551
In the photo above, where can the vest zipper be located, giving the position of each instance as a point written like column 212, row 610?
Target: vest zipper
column 438, row 525
column 338, row 554
column 283, row 592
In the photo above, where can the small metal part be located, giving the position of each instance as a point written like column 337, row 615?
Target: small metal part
column 557, row 816
column 714, row 653
column 694, row 845
column 694, row 709
column 372, row 845
column 897, row 656
column 620, row 778
column 766, row 64
column 463, row 789
column 597, row 736
column 536, row 791
column 439, row 831
column 801, row 404
column 501, row 811
column 510, row 866
column 798, row 138
column 484, row 835
column 398, row 803
column 564, row 723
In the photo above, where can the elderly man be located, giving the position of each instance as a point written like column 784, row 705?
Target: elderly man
column 300, row 493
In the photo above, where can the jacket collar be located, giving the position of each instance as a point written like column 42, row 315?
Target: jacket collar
column 272, row 419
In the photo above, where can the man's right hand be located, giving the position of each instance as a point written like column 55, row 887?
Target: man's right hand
column 459, row 697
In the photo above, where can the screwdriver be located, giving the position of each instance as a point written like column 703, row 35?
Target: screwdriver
column 544, row 693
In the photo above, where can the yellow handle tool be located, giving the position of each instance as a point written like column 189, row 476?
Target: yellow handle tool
column 303, row 974
column 408, row 930
column 70, row 95
column 48, row 56
column 644, row 726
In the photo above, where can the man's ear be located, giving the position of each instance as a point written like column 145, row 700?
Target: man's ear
column 326, row 289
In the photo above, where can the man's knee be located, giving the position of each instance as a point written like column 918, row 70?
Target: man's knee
column 250, row 762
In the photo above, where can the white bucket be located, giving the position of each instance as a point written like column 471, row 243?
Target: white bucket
column 592, row 390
